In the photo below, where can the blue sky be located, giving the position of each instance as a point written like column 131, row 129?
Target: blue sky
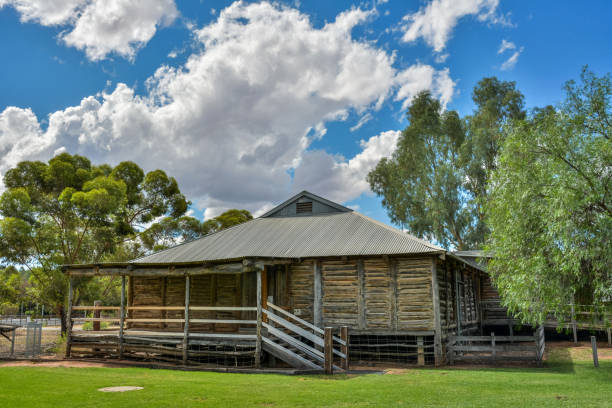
column 247, row 103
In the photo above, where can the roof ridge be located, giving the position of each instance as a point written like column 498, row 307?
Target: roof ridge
column 402, row 233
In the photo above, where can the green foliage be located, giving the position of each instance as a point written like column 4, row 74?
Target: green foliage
column 550, row 207
column 435, row 180
column 68, row 211
column 171, row 231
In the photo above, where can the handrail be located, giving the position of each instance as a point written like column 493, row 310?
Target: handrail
column 304, row 322
column 299, row 331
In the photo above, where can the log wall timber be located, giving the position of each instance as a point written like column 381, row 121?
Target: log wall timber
column 147, row 292
column 378, row 294
column 301, row 290
column 340, row 293
column 415, row 305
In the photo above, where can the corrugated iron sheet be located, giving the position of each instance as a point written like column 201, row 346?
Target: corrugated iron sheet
column 340, row 234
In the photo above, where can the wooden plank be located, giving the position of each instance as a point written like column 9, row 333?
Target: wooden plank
column 436, row 313
column 96, row 308
column 296, row 329
column 259, row 320
column 297, row 319
column 361, row 295
column 222, row 321
column 311, row 352
column 344, row 335
column 318, row 294
column 488, row 338
column 224, row 308
column 122, row 317
column 69, row 318
column 287, row 355
column 186, row 324
column 420, row 352
column 328, row 351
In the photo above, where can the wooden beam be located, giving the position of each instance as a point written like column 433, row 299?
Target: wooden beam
column 69, row 318
column 394, row 293
column 361, row 309
column 328, row 350
column 186, row 324
column 436, row 311
column 318, row 294
column 344, row 335
column 122, row 317
column 158, row 271
column 259, row 313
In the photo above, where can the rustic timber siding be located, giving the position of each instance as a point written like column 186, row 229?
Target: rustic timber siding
column 340, row 293
column 301, row 289
column 147, row 292
column 201, row 293
column 175, row 296
column 414, row 299
column 378, row 294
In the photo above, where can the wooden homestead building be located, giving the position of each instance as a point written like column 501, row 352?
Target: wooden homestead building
column 264, row 292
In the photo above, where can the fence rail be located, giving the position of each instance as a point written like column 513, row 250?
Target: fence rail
column 497, row 348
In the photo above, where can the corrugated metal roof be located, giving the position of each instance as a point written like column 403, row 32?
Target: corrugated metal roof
column 339, row 234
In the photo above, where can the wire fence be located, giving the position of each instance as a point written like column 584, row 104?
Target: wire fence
column 31, row 341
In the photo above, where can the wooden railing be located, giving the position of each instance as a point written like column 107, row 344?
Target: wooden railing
column 321, row 339
column 495, row 348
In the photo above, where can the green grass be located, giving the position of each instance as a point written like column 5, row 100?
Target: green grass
column 562, row 383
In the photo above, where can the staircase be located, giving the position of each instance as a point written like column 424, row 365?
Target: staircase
column 300, row 343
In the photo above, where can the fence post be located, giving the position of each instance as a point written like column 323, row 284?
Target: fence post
column 345, row 348
column 594, row 346
column 328, row 350
column 259, row 316
column 574, row 328
column 96, row 314
column 69, row 319
column 493, row 347
column 13, row 343
column 122, row 316
column 420, row 352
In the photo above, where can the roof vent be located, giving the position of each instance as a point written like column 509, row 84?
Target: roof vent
column 303, row 208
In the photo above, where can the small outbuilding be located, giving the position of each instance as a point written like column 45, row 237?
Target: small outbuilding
column 265, row 291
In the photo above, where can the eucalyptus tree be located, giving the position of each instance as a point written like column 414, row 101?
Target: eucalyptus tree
column 69, row 211
column 550, row 205
column 435, row 181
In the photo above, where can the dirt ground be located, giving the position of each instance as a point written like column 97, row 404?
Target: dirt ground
column 558, row 350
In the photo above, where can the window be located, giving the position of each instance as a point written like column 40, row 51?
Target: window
column 302, row 208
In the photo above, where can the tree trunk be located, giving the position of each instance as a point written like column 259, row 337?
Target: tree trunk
column 61, row 311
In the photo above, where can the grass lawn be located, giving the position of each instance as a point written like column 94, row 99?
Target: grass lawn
column 565, row 381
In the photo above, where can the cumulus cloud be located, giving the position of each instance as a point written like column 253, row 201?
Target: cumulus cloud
column 436, row 21
column 342, row 179
column 420, row 77
column 100, row 27
column 236, row 120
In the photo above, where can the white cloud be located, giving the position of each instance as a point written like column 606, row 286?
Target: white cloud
column 341, row 179
column 100, row 27
column 506, row 45
column 420, row 77
column 362, row 121
column 436, row 21
column 511, row 62
column 237, row 118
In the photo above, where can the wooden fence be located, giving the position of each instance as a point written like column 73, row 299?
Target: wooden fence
column 494, row 348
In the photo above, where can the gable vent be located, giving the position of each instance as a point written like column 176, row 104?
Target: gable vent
column 303, row 208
